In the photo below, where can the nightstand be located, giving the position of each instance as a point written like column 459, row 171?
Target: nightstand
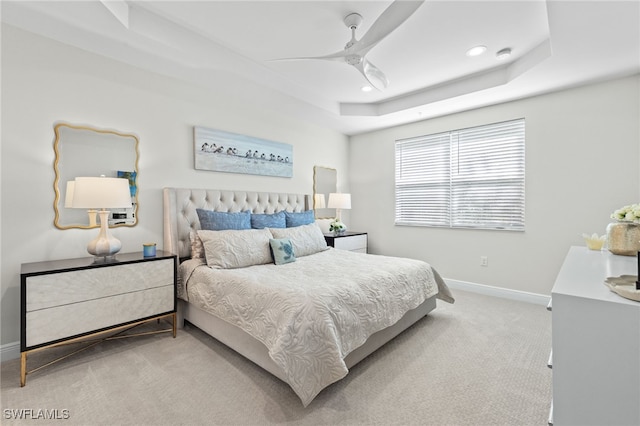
column 352, row 241
column 66, row 301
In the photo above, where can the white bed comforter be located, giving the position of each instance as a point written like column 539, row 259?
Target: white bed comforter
column 313, row 312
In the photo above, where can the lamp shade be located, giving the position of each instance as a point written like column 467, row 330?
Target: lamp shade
column 101, row 192
column 318, row 201
column 68, row 196
column 339, row 200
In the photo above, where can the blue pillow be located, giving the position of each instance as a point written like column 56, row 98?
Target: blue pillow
column 282, row 251
column 220, row 221
column 298, row 219
column 275, row 220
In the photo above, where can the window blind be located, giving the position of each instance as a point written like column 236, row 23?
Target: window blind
column 467, row 178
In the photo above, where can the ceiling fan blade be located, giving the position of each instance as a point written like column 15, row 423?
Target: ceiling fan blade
column 398, row 12
column 373, row 75
column 338, row 56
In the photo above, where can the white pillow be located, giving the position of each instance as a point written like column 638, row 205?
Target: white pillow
column 306, row 239
column 231, row 249
column 197, row 249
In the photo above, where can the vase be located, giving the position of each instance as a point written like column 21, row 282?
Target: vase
column 623, row 238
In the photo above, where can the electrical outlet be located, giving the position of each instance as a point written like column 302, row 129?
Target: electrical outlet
column 484, row 261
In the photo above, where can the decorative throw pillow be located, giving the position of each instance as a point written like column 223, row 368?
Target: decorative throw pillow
column 282, row 251
column 298, row 219
column 274, row 220
column 220, row 221
column 306, row 239
column 231, row 249
column 197, row 249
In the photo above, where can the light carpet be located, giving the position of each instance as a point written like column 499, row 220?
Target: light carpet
column 481, row 361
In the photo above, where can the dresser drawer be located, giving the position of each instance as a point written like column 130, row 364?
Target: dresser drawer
column 63, row 288
column 353, row 243
column 59, row 322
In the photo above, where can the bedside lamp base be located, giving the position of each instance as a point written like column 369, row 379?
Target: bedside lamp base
column 105, row 244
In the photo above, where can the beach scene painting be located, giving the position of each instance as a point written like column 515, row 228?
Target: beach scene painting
column 221, row 151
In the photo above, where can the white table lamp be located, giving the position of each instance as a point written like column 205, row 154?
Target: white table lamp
column 339, row 201
column 68, row 196
column 318, row 201
column 68, row 203
column 102, row 193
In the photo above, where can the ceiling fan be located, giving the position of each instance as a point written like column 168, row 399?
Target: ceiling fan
column 355, row 50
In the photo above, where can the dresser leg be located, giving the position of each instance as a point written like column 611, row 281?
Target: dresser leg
column 23, row 369
column 175, row 324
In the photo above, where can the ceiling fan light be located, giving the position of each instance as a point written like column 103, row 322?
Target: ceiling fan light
column 503, row 54
column 476, row 50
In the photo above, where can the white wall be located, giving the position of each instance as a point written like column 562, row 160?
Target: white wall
column 582, row 151
column 44, row 81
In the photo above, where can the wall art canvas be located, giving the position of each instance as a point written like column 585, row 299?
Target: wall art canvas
column 222, row 151
column 131, row 176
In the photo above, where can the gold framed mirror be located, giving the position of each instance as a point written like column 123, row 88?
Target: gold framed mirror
column 88, row 151
column 325, row 181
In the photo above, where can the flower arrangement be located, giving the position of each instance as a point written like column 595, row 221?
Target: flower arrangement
column 630, row 213
column 337, row 226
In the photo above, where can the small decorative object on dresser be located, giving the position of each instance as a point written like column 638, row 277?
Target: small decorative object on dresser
column 65, row 301
column 625, row 286
column 594, row 241
column 623, row 236
column 337, row 227
column 149, row 249
column 352, row 241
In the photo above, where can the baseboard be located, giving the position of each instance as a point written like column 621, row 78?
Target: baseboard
column 505, row 293
column 9, row 351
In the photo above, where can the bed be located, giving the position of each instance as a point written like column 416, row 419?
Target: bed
column 306, row 320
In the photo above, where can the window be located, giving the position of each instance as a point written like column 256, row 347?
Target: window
column 468, row 178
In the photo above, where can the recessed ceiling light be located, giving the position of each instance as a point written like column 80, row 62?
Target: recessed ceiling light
column 503, row 54
column 366, row 88
column 475, row 51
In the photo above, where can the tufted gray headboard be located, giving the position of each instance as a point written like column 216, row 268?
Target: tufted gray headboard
column 180, row 204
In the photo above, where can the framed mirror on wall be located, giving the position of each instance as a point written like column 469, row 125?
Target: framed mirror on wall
column 325, row 181
column 85, row 151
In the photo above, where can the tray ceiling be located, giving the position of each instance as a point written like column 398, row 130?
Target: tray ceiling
column 233, row 45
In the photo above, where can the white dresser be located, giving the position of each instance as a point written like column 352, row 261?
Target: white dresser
column 65, row 300
column 596, row 342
